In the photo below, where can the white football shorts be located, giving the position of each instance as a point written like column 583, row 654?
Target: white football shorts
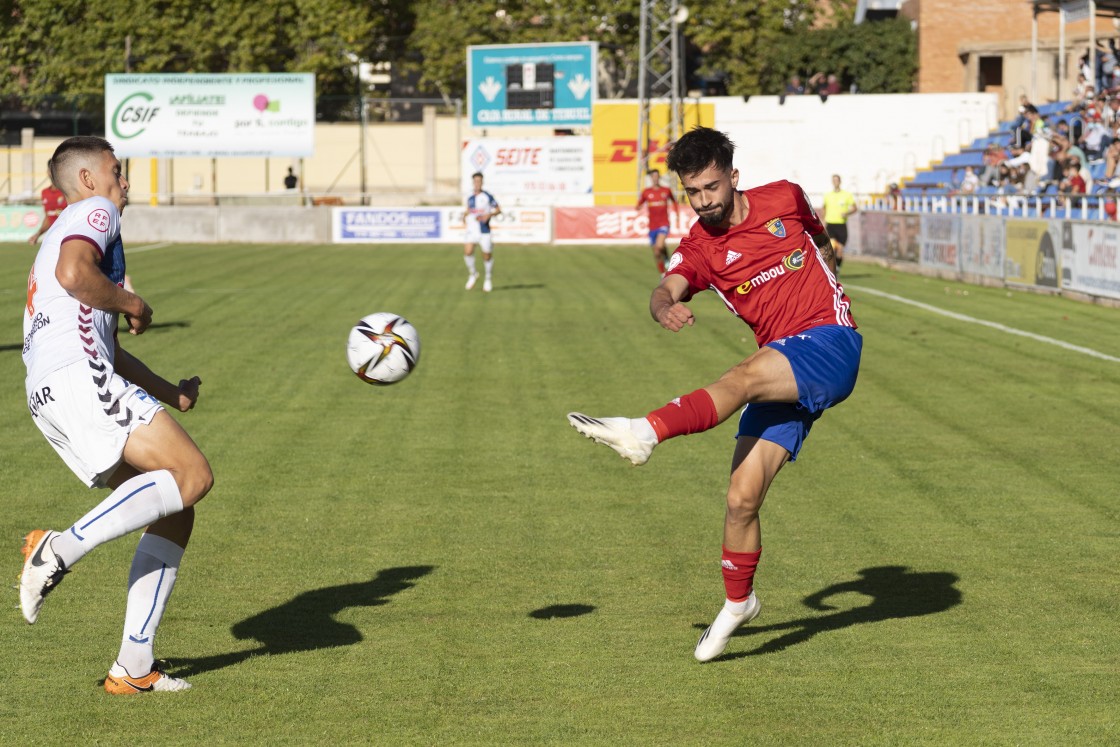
column 86, row 411
column 476, row 236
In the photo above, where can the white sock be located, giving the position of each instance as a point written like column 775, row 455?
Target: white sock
column 135, row 504
column 150, row 581
column 489, row 265
column 736, row 608
column 643, row 430
column 469, row 259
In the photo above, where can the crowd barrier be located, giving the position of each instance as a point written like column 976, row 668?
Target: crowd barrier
column 1063, row 256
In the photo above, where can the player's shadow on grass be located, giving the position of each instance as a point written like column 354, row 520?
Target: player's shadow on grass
column 555, row 611
column 306, row 622
column 16, row 346
column 895, row 592
column 155, row 326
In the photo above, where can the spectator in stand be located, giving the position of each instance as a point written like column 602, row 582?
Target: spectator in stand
column 1072, row 184
column 1111, row 159
column 1111, row 114
column 1106, row 64
column 1082, row 92
column 832, row 87
column 1095, row 137
column 817, row 84
column 993, row 157
column 894, row 196
column 970, row 182
column 794, row 87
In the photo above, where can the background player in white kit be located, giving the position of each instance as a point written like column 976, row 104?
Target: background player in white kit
column 97, row 406
column 481, row 207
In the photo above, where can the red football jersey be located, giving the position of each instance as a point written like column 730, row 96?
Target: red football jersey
column 658, row 199
column 54, row 202
column 766, row 269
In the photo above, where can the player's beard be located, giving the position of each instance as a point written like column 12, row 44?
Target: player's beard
column 715, row 215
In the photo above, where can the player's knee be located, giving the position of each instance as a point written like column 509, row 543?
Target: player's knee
column 195, row 479
column 743, row 505
column 743, row 509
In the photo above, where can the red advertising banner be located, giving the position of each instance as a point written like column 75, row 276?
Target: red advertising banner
column 605, row 224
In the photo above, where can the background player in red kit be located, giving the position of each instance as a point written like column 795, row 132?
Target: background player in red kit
column 657, row 200
column 54, row 202
column 765, row 252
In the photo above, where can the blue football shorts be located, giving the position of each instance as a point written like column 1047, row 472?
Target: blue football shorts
column 825, row 362
column 655, row 232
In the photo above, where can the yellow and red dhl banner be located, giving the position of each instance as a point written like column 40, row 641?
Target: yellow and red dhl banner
column 615, row 150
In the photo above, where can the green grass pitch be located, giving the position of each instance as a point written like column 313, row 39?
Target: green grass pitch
column 445, row 561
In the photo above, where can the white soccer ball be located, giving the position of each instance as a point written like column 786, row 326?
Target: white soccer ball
column 383, row 348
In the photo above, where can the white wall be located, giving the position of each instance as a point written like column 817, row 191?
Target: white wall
column 870, row 140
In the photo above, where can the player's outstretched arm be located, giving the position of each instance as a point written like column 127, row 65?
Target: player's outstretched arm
column 665, row 304
column 78, row 272
column 181, row 397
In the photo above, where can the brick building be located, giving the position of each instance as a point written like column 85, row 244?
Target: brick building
column 986, row 45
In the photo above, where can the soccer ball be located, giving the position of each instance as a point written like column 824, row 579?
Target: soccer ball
column 383, row 348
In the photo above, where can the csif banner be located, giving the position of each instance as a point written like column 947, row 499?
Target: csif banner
column 216, row 115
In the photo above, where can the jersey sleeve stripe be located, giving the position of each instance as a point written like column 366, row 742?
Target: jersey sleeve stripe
column 87, row 239
column 841, row 307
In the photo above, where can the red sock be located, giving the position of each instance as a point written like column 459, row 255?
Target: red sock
column 738, row 573
column 691, row 413
column 661, row 266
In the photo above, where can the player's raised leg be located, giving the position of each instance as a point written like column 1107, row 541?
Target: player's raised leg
column 766, row 376
column 167, row 474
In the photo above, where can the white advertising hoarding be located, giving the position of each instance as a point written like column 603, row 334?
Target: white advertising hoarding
column 211, row 115
column 1091, row 258
column 557, row 170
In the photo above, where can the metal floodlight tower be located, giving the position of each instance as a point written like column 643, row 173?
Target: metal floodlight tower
column 659, row 77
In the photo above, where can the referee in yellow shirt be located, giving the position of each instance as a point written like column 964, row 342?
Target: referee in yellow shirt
column 838, row 205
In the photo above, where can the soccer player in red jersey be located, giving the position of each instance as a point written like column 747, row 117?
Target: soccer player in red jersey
column 54, row 202
column 657, row 200
column 767, row 255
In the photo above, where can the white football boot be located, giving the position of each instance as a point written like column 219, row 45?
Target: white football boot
column 715, row 638
column 633, row 439
column 42, row 572
column 487, row 286
column 471, row 280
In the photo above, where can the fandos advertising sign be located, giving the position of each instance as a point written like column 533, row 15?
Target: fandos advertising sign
column 532, row 84
column 211, row 115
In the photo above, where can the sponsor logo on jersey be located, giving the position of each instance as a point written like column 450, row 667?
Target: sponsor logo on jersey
column 791, row 262
column 776, row 227
column 40, row 321
column 675, row 260
column 731, row 257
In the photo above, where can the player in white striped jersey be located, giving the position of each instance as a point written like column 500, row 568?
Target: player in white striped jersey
column 98, row 406
column 481, row 207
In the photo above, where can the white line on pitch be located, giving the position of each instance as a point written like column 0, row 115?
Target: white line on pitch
column 985, row 323
column 146, row 247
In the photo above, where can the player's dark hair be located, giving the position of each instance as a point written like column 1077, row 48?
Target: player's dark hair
column 700, row 148
column 478, row 174
column 68, row 150
column 651, row 172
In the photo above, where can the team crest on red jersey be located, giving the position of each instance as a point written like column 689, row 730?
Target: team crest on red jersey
column 776, row 227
